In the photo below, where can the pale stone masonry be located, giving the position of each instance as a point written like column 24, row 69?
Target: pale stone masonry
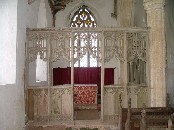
column 157, row 51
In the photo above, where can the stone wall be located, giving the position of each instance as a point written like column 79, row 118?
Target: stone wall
column 169, row 31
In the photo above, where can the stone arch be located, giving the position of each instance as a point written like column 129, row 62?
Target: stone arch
column 71, row 12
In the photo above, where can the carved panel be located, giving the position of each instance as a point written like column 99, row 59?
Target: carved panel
column 136, row 47
column 60, row 45
column 40, row 103
column 37, row 45
column 87, row 43
column 61, row 103
column 139, row 95
column 114, row 45
column 113, row 101
column 137, row 57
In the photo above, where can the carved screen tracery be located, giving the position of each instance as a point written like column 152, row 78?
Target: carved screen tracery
column 113, row 45
column 37, row 45
column 137, row 57
column 86, row 49
column 60, row 45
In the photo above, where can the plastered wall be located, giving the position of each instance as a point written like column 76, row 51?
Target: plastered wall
column 12, row 105
column 101, row 9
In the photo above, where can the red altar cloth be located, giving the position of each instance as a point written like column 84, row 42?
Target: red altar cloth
column 85, row 94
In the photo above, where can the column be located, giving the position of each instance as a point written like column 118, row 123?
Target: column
column 157, row 52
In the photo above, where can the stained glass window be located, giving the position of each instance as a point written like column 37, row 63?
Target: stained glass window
column 83, row 17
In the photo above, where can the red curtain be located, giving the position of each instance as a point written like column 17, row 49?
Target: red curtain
column 83, row 75
column 87, row 75
column 109, row 76
column 61, row 76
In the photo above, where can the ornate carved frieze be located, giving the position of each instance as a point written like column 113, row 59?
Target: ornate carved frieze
column 113, row 90
column 137, row 89
column 59, row 44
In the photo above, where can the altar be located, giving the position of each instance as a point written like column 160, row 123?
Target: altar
column 85, row 96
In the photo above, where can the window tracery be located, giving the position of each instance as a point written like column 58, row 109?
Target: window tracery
column 83, row 17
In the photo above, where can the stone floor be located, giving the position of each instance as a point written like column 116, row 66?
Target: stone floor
column 87, row 114
column 85, row 119
column 73, row 125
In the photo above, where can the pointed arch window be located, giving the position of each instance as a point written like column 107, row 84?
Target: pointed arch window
column 83, row 18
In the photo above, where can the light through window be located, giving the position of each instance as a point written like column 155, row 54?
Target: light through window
column 83, row 17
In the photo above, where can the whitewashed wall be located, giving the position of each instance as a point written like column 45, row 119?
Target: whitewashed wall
column 39, row 15
column 12, row 105
column 101, row 9
column 8, row 25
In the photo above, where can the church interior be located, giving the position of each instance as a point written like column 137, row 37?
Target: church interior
column 87, row 65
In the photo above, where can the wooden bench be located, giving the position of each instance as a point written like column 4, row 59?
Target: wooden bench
column 143, row 118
